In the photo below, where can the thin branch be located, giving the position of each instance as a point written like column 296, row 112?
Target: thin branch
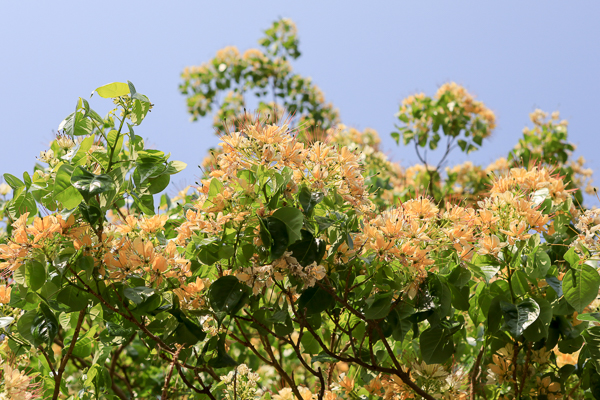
column 65, row 360
column 475, row 371
column 165, row 391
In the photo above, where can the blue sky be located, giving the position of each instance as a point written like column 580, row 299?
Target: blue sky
column 366, row 56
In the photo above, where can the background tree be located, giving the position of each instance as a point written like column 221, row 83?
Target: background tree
column 260, row 79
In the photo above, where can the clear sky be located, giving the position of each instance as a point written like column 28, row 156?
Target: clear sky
column 366, row 57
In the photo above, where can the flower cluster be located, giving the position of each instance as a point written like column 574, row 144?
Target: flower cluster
column 241, row 383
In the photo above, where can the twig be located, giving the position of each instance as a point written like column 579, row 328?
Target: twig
column 165, row 391
column 65, row 360
column 475, row 371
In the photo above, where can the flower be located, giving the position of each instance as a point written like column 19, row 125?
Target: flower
column 5, row 294
column 4, row 189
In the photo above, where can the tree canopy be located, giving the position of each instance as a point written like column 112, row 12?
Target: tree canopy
column 305, row 264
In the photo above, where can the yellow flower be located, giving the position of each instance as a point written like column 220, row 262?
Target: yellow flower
column 5, row 294
column 284, row 394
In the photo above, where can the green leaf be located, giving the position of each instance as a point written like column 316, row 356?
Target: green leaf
column 460, row 297
column 542, row 264
column 569, row 346
column 35, row 274
column 315, row 300
column 222, row 360
column 175, row 166
column 309, row 199
column 114, row 139
column 114, row 89
column 80, row 123
column 159, row 183
column 139, row 109
column 22, row 202
column 310, row 344
column 25, row 323
column 276, row 235
column 64, row 192
column 380, row 307
column 89, row 184
column 580, row 286
column 519, row 283
column 539, row 329
column 227, row 294
column 591, row 317
column 519, row 317
column 592, row 339
column 145, row 203
column 44, row 326
column 308, row 250
column 572, row 258
column 436, row 345
column 73, row 298
column 83, row 347
column 13, row 181
column 81, row 156
column 293, row 219
column 152, row 169
column 138, row 294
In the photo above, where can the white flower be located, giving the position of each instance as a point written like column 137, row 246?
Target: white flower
column 4, row 189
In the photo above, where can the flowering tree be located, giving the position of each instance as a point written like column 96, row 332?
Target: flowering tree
column 300, row 268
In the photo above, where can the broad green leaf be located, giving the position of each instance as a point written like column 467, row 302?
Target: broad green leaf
column 436, row 345
column 145, row 203
column 222, row 360
column 175, row 166
column 572, row 258
column 89, row 184
column 315, row 300
column 519, row 317
column 591, row 317
column 138, row 294
column 293, row 219
column 83, row 347
column 13, row 181
column 114, row 89
column 159, row 183
column 519, row 283
column 35, row 274
column 592, row 339
column 140, row 108
column 379, row 308
column 73, row 298
column 227, row 294
column 25, row 325
column 310, row 344
column 214, row 188
column 64, row 192
column 308, row 250
column 580, row 286
column 460, row 297
column 81, row 156
column 542, row 264
column 539, row 329
column 21, row 203
column 569, row 346
column 309, row 199
column 277, row 235
column 44, row 326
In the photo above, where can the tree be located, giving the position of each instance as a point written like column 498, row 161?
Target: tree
column 301, row 268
